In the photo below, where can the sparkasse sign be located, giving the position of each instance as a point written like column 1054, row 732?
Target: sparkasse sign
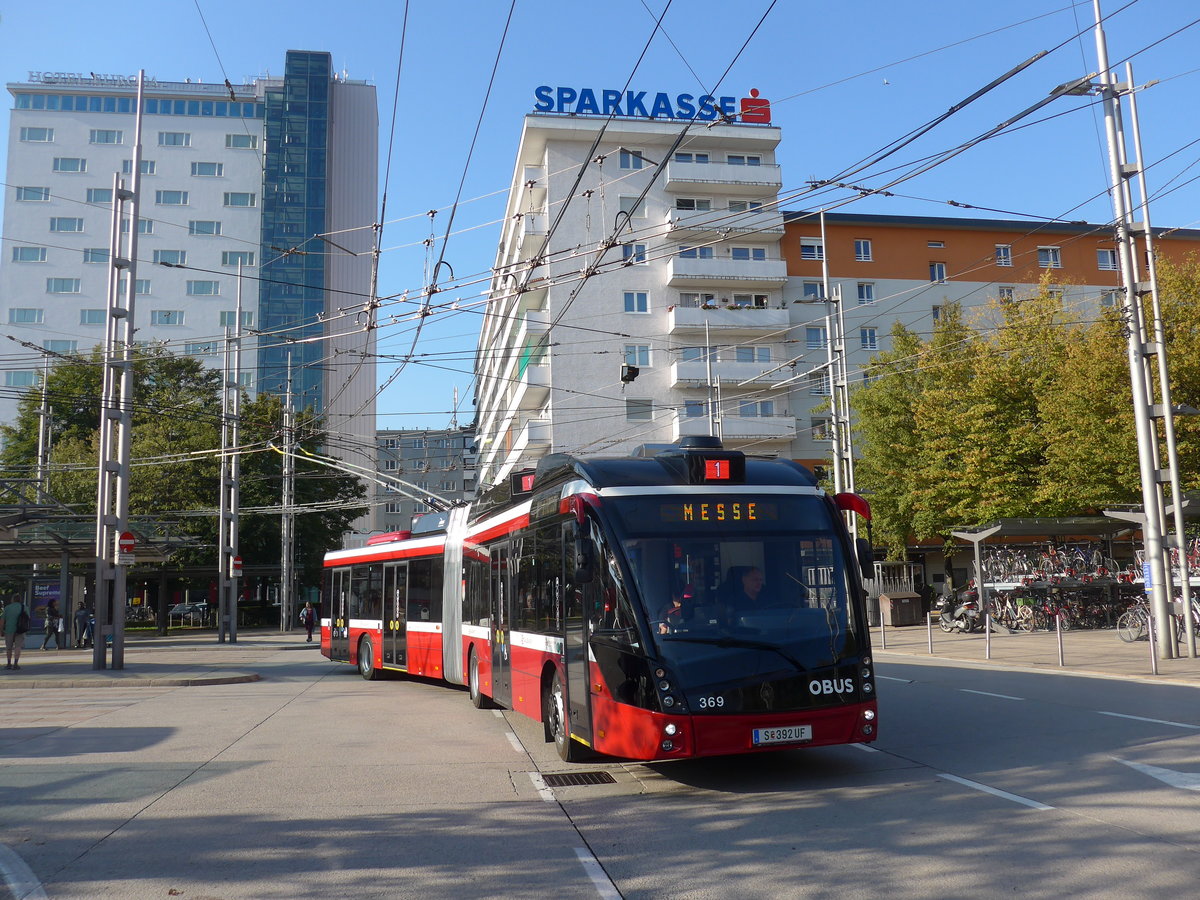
column 644, row 105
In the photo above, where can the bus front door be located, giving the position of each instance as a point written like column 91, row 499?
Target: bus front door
column 395, row 615
column 575, row 641
column 339, row 622
column 501, row 625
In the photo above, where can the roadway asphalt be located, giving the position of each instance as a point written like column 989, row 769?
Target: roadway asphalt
column 196, row 658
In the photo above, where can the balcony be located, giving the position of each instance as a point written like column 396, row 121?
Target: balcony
column 532, row 387
column 724, row 222
column 734, row 274
column 533, row 439
column 747, row 321
column 723, row 178
column 533, row 188
column 694, row 373
column 531, row 235
column 739, row 428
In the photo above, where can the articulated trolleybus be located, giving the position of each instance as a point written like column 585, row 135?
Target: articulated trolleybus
column 691, row 603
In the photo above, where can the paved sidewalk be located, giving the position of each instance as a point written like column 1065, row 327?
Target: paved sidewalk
column 1085, row 652
column 177, row 660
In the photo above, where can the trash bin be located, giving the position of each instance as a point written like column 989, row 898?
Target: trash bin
column 901, row 609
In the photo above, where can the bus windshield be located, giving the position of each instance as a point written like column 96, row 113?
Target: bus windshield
column 722, row 576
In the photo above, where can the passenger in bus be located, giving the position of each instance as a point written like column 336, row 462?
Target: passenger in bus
column 743, row 587
column 677, row 611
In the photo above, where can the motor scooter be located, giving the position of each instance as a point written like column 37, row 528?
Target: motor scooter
column 959, row 614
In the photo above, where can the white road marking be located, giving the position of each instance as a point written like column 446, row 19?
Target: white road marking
column 1188, row 781
column 1154, row 721
column 866, row 748
column 540, row 783
column 512, row 739
column 604, row 886
column 890, row 678
column 498, row 713
column 995, row 792
column 990, row 694
column 19, row 877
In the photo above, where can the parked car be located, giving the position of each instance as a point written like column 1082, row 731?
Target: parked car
column 193, row 610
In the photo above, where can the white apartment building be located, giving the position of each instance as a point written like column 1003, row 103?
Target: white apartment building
column 231, row 174
column 691, row 293
column 414, row 463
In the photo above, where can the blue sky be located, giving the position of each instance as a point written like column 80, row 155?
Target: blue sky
column 841, row 88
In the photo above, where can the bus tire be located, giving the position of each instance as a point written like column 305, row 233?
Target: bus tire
column 366, row 660
column 558, row 726
column 478, row 699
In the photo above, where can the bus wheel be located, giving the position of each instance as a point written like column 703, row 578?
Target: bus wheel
column 366, row 660
column 554, row 705
column 478, row 699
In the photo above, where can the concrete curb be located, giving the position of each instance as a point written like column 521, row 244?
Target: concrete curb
column 121, row 680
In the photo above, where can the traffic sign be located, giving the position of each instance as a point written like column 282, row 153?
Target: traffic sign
column 235, row 567
column 126, row 544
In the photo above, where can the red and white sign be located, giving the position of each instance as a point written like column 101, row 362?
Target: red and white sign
column 235, row 567
column 126, row 544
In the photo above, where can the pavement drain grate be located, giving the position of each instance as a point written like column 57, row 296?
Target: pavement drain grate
column 573, row 779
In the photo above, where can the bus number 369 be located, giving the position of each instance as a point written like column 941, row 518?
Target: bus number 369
column 711, row 702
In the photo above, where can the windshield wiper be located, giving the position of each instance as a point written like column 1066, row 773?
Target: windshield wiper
column 738, row 642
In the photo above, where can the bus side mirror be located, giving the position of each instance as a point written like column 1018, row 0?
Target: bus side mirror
column 866, row 558
column 585, row 554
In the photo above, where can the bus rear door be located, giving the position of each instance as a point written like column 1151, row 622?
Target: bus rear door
column 575, row 641
column 339, row 623
column 501, row 625
column 395, row 614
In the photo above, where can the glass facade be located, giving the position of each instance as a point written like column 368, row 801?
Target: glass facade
column 292, row 289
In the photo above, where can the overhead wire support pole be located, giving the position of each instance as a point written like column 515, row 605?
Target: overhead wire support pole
column 1138, row 350
column 288, row 514
column 227, row 550
column 116, row 416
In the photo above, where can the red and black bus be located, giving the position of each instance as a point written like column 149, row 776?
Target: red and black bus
column 694, row 602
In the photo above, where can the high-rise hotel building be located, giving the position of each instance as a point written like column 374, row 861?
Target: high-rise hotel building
column 245, row 174
column 689, row 292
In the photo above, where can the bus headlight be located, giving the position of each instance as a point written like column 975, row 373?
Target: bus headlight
column 664, row 685
column 668, row 701
column 670, row 729
column 869, row 715
column 867, row 688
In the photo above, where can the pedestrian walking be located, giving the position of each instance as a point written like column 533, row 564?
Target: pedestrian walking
column 308, row 618
column 53, row 625
column 83, row 626
column 16, row 622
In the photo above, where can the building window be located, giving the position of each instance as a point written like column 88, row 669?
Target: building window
column 72, row 164
column 633, row 208
column 233, row 257
column 755, row 254
column 29, row 254
column 147, row 166
column 241, row 141
column 868, row 338
column 698, row 354
column 751, row 353
column 818, row 384
column 694, row 409
column 240, row 198
column 99, row 195
column 693, row 299
column 95, row 255
column 203, row 288
column 170, row 257
column 25, row 316
column 228, row 316
column 201, row 348
column 1049, row 258
column 20, row 379
column 208, row 169
column 820, row 429
column 637, row 354
column 145, row 226
column 937, row 272
column 166, row 317
column 866, row 292
column 1106, row 260
column 61, row 346
column 1109, row 299
column 696, row 252
column 62, row 285
column 814, row 337
column 935, row 244
column 755, row 408
column 105, row 136
column 203, row 226
column 1004, row 254
column 171, row 198
column 33, row 194
column 38, row 135
column 1055, row 293
column 750, row 301
column 741, row 159
column 639, row 410
column 812, row 290
column 862, row 250
column 744, row 205
column 691, row 157
column 174, row 139
column 1005, row 293
column 91, row 317
column 631, row 159
column 66, row 223
column 141, row 286
column 633, row 254
column 812, row 248
column 936, row 313
column 637, row 302
column 693, row 204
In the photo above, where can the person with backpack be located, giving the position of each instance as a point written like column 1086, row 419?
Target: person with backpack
column 16, row 622
column 308, row 618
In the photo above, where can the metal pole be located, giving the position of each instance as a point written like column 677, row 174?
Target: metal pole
column 288, row 516
column 1153, row 641
column 1058, row 629
column 929, row 630
column 882, row 630
column 987, row 635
